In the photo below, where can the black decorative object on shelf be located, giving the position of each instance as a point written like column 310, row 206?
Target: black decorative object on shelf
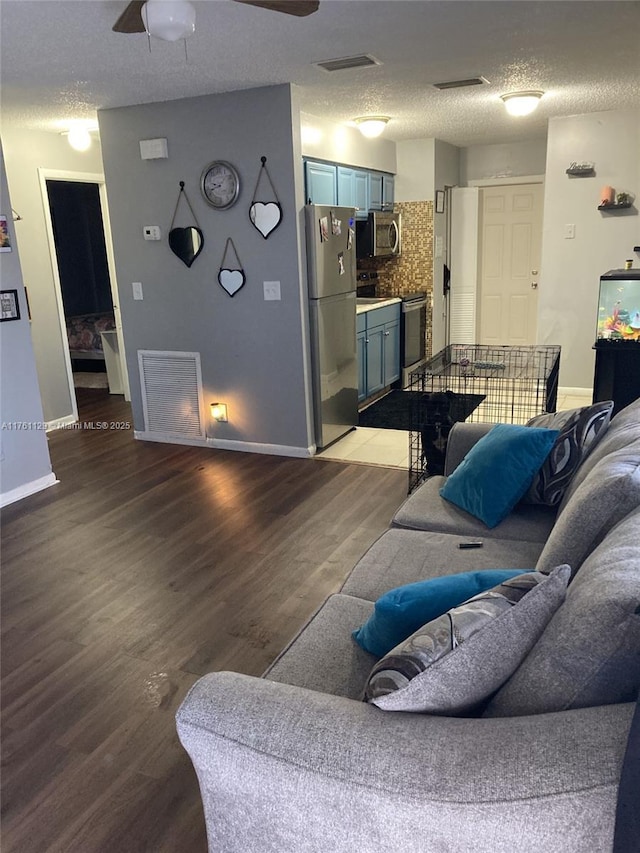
column 623, row 206
column 185, row 243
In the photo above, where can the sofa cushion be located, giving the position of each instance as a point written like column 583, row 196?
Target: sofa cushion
column 454, row 663
column 323, row 656
column 609, row 493
column 402, row 556
column 402, row 610
column 622, row 433
column 589, row 653
column 580, row 430
column 426, row 510
column 498, row 470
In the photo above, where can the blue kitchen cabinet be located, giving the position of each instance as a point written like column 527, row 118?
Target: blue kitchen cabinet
column 388, row 191
column 375, row 191
column 353, row 190
column 321, row 182
column 378, row 349
column 361, row 347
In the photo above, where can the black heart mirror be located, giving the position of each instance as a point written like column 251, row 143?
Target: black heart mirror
column 186, row 243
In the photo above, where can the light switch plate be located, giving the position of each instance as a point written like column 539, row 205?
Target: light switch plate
column 271, row 290
column 569, row 231
column 137, row 289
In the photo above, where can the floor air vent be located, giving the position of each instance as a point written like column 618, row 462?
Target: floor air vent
column 172, row 393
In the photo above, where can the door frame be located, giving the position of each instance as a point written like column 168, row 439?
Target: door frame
column 481, row 183
column 44, row 175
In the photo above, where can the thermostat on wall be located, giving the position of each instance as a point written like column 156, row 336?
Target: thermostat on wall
column 154, row 149
column 151, row 232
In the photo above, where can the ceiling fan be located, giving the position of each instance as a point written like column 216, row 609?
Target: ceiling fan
column 131, row 21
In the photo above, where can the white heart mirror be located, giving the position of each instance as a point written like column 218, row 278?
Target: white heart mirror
column 265, row 216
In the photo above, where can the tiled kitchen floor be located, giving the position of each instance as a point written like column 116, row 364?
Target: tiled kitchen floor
column 390, row 447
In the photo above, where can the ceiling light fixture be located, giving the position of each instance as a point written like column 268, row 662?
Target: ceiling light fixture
column 169, row 20
column 521, row 103
column 371, row 126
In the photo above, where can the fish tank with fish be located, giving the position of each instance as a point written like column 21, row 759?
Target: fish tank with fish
column 619, row 308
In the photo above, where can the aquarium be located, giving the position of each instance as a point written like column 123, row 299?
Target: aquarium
column 619, row 308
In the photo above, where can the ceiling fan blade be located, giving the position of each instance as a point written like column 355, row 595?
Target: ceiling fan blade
column 130, row 21
column 300, row 8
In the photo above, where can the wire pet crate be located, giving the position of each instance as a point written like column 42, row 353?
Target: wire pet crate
column 476, row 382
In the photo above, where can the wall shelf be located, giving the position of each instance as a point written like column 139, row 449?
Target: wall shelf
column 611, row 207
column 582, row 173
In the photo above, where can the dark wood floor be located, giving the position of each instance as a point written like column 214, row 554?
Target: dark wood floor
column 147, row 566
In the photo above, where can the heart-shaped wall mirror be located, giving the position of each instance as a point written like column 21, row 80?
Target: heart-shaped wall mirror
column 265, row 216
column 232, row 280
column 186, row 243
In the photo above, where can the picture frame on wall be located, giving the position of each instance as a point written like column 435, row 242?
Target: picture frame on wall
column 439, row 201
column 9, row 305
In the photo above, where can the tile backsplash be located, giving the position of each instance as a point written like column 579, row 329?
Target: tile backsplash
column 413, row 270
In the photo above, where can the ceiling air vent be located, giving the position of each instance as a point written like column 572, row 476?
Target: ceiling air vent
column 362, row 61
column 460, row 84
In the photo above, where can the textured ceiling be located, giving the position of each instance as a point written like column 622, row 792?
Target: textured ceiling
column 61, row 61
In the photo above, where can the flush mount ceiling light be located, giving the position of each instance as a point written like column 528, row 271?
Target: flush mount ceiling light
column 371, row 126
column 521, row 103
column 79, row 135
column 169, row 20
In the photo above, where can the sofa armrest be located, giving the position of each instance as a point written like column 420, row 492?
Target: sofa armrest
column 460, row 441
column 283, row 768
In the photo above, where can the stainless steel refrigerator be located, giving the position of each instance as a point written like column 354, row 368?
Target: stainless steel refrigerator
column 331, row 262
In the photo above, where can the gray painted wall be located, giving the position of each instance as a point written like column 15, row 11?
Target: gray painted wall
column 24, row 454
column 25, row 152
column 570, row 270
column 253, row 352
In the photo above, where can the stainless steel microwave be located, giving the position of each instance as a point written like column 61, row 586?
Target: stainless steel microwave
column 379, row 236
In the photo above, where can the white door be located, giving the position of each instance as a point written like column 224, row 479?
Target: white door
column 509, row 263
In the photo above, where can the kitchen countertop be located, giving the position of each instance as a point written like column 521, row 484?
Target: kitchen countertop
column 369, row 304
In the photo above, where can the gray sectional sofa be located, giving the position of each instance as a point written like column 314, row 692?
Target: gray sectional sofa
column 296, row 761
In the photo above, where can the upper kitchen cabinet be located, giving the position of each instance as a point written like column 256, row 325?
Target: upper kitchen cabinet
column 388, row 191
column 321, row 182
column 353, row 190
column 333, row 183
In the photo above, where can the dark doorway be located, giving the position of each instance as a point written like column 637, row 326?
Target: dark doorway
column 83, row 270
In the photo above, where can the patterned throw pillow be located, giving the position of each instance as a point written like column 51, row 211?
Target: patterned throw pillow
column 454, row 663
column 580, row 431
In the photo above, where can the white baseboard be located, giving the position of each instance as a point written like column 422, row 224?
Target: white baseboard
column 61, row 422
column 27, row 489
column 567, row 391
column 256, row 447
column 228, row 444
column 165, row 438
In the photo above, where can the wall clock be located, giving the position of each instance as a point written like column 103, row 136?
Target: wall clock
column 220, row 184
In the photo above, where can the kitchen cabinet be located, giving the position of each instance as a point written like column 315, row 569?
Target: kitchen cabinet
column 378, row 349
column 353, row 190
column 375, row 191
column 334, row 183
column 388, row 191
column 321, row 182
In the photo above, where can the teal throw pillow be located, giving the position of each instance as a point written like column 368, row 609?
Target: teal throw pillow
column 497, row 471
column 401, row 611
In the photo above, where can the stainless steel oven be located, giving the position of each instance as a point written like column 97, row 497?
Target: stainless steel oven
column 413, row 333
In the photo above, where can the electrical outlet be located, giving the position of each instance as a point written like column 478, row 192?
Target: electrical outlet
column 137, row 290
column 271, row 290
